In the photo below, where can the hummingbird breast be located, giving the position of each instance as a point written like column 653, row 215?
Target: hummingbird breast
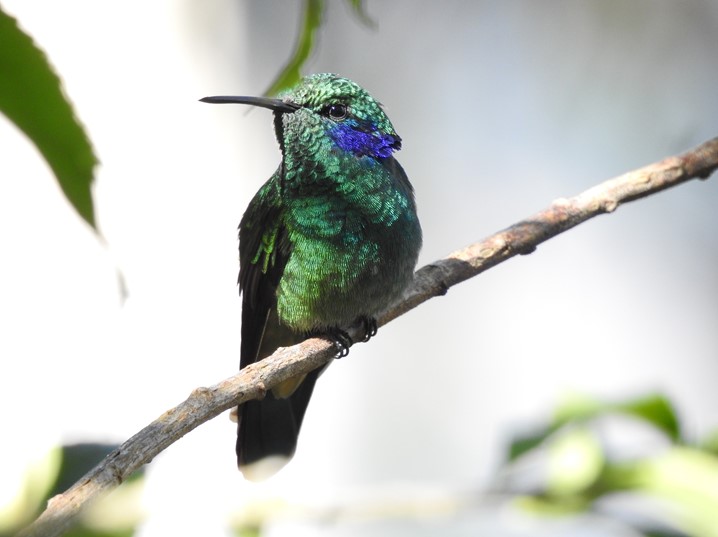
column 355, row 240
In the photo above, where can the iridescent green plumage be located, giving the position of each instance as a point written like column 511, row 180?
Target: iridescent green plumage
column 332, row 237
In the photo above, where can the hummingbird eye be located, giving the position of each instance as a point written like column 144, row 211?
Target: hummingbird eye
column 336, row 111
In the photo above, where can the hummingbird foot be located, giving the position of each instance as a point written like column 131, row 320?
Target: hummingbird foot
column 340, row 338
column 370, row 327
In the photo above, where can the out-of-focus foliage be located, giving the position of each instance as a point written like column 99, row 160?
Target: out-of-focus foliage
column 251, row 518
column 290, row 73
column 32, row 495
column 311, row 22
column 582, row 468
column 31, row 96
column 579, row 471
column 116, row 515
column 655, row 409
column 360, row 12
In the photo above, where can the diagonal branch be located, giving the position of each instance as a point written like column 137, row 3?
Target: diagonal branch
column 431, row 280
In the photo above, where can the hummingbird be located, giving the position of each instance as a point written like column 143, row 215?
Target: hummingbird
column 331, row 239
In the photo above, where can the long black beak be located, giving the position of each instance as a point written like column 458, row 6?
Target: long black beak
column 273, row 104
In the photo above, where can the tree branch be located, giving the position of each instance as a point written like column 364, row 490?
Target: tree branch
column 431, row 280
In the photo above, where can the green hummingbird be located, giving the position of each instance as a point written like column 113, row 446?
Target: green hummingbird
column 332, row 238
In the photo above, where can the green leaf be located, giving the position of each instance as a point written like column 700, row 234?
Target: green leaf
column 578, row 407
column 291, row 73
column 77, row 460
column 657, row 410
column 710, row 442
column 527, row 442
column 575, row 462
column 575, row 408
column 360, row 12
column 31, row 96
column 114, row 515
column 80, row 531
column 32, row 495
column 552, row 506
column 687, row 479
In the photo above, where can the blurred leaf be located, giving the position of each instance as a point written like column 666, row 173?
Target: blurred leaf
column 31, row 96
column 91, row 532
column 248, row 531
column 551, row 506
column 575, row 462
column 524, row 443
column 657, row 410
column 574, row 408
column 77, row 460
column 114, row 515
column 577, row 407
column 683, row 480
column 360, row 12
column 688, row 479
column 291, row 73
column 662, row 533
column 32, row 496
column 710, row 443
column 253, row 516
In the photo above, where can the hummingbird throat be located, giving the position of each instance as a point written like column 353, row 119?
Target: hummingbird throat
column 364, row 140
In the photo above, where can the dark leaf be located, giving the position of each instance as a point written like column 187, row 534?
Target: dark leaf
column 31, row 96
column 77, row 460
column 657, row 410
column 527, row 442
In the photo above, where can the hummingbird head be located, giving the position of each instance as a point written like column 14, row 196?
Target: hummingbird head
column 345, row 112
column 328, row 107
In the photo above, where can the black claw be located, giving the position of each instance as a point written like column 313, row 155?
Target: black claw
column 341, row 339
column 370, row 327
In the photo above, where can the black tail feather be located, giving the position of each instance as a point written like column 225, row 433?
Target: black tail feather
column 270, row 427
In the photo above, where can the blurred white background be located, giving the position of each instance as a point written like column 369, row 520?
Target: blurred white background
column 503, row 107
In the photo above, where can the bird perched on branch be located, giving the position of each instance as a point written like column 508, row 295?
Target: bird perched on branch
column 330, row 239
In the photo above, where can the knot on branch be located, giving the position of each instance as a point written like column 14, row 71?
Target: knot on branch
column 609, row 205
column 202, row 393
